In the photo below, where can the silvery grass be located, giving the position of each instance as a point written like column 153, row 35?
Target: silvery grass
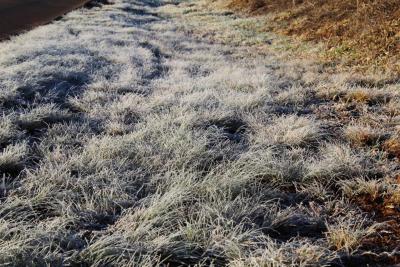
column 126, row 142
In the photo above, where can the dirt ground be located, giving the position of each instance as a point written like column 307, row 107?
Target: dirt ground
column 19, row 15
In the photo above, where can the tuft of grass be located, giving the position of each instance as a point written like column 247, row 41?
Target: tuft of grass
column 289, row 130
column 337, row 161
column 367, row 96
column 13, row 158
column 392, row 146
column 361, row 186
column 8, row 130
column 361, row 135
column 348, row 234
column 39, row 117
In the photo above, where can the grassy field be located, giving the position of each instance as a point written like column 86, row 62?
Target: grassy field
column 360, row 33
column 147, row 133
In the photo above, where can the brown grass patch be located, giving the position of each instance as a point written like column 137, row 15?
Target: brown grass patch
column 387, row 211
column 392, row 146
column 360, row 135
column 366, row 96
column 360, row 32
column 381, row 200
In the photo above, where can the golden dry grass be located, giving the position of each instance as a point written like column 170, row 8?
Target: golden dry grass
column 365, row 33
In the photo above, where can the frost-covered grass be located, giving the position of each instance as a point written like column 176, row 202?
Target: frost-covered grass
column 126, row 141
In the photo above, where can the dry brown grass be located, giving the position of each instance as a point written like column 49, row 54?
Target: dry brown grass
column 392, row 146
column 361, row 135
column 365, row 33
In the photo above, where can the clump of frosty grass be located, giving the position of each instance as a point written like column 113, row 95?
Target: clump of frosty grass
column 125, row 142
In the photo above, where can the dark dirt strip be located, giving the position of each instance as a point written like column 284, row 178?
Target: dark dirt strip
column 19, row 15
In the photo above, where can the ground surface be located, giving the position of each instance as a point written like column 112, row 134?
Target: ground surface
column 19, row 15
column 128, row 140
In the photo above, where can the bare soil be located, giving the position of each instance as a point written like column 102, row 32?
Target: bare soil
column 20, row 15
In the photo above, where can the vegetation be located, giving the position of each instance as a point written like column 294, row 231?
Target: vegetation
column 363, row 32
column 147, row 133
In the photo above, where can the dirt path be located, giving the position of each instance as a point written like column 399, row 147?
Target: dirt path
column 19, row 15
column 151, row 133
